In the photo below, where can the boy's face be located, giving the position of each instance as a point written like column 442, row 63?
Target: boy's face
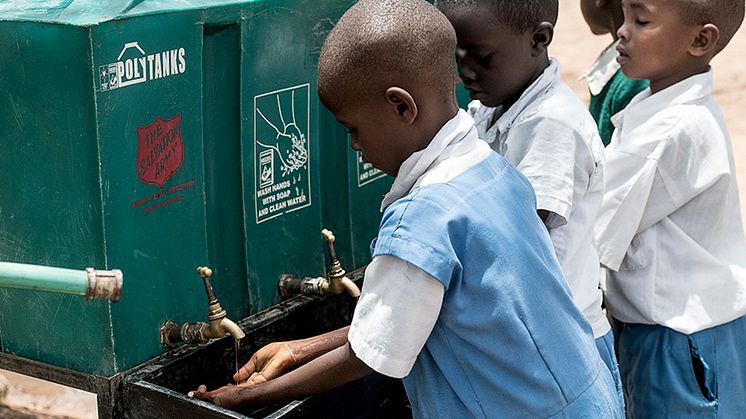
column 373, row 132
column 654, row 42
column 495, row 62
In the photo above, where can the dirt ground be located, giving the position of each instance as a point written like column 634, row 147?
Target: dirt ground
column 25, row 397
column 576, row 48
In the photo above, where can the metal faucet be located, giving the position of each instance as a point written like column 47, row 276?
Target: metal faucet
column 201, row 332
column 336, row 282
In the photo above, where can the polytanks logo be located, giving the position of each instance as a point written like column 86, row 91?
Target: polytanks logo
column 160, row 150
column 134, row 66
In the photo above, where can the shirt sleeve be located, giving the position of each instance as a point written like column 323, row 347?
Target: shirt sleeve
column 646, row 185
column 550, row 162
column 398, row 307
column 629, row 181
column 695, row 160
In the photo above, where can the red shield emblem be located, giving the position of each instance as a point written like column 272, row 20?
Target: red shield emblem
column 160, row 150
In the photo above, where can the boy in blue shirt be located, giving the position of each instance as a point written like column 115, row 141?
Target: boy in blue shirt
column 528, row 115
column 464, row 298
column 610, row 89
column 670, row 229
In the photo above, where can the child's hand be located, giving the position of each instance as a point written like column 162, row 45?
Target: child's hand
column 271, row 361
column 226, row 396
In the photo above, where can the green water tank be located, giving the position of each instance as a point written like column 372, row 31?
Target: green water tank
column 156, row 136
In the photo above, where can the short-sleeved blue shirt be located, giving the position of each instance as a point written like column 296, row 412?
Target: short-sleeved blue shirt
column 509, row 341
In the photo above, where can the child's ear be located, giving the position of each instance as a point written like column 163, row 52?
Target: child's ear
column 542, row 37
column 402, row 103
column 705, row 41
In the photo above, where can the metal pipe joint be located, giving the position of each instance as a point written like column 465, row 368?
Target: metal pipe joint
column 336, row 281
column 104, row 284
column 200, row 332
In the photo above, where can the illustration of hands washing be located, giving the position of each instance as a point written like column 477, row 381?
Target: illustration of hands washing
column 289, row 144
column 282, row 152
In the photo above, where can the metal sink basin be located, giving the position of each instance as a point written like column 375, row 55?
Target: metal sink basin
column 158, row 388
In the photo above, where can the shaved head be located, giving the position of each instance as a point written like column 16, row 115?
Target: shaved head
column 379, row 44
column 727, row 15
column 520, row 15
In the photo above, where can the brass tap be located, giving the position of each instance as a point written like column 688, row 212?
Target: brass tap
column 336, row 281
column 201, row 332
column 220, row 324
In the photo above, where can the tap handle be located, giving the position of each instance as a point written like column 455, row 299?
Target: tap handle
column 329, row 237
column 206, row 273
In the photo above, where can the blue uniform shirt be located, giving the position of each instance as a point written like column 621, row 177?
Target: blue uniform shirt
column 509, row 341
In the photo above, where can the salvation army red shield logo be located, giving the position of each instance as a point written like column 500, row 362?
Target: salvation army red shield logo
column 160, row 150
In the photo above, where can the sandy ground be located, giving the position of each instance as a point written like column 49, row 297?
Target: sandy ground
column 576, row 48
column 25, row 397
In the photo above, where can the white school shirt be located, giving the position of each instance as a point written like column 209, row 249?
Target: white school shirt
column 377, row 335
column 549, row 135
column 670, row 226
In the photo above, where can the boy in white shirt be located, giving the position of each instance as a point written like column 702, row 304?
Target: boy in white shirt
column 528, row 115
column 670, row 228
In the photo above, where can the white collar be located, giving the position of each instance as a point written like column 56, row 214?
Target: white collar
column 645, row 104
column 452, row 134
column 603, row 69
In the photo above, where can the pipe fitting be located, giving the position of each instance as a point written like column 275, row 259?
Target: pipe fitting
column 335, row 283
column 200, row 332
column 104, row 284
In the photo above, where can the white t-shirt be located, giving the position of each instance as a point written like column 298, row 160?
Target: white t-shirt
column 670, row 226
column 377, row 335
column 550, row 136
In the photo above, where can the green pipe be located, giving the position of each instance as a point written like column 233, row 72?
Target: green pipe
column 90, row 283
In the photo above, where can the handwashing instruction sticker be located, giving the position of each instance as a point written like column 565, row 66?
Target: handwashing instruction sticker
column 282, row 173
column 366, row 173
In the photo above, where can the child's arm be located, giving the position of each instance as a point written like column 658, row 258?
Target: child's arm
column 330, row 370
column 558, row 161
column 277, row 358
column 651, row 176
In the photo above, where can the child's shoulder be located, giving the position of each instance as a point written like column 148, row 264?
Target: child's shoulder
column 562, row 114
column 686, row 109
column 695, row 129
column 493, row 181
column 683, row 119
column 561, row 103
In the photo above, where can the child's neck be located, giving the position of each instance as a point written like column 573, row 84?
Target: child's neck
column 542, row 65
column 656, row 85
column 430, row 122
